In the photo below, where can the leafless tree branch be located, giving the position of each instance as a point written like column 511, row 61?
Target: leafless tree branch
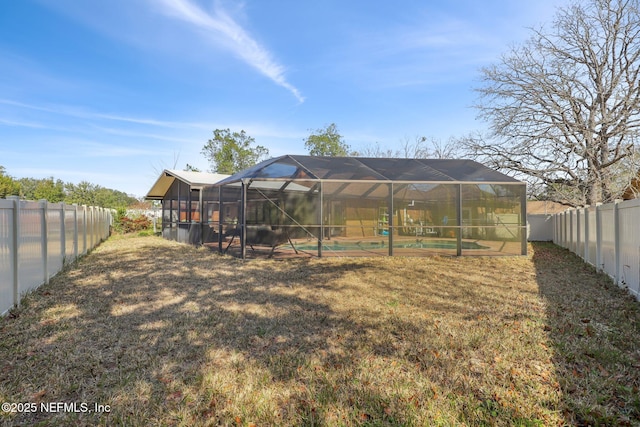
column 564, row 108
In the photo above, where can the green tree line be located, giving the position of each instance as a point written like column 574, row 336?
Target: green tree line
column 55, row 190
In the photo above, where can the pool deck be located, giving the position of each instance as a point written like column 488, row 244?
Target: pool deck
column 370, row 249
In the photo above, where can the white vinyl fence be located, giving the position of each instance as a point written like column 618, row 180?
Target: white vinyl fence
column 38, row 238
column 540, row 227
column 605, row 236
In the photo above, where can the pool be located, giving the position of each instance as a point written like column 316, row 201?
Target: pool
column 419, row 244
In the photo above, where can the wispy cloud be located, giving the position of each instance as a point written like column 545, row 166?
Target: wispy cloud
column 89, row 148
column 142, row 135
column 438, row 44
column 223, row 29
column 71, row 111
column 20, row 123
column 149, row 128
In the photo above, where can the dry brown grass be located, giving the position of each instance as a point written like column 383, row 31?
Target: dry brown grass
column 167, row 334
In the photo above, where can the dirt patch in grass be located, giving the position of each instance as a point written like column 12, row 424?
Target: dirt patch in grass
column 167, row 334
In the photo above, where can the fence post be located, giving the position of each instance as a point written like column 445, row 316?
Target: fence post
column 559, row 221
column 570, row 230
column 563, row 229
column 599, row 265
column 616, row 234
column 585, row 235
column 567, row 228
column 88, row 230
column 102, row 221
column 94, row 217
column 523, row 212
column 100, row 225
column 44, row 240
column 96, row 222
column 15, row 244
column 578, row 233
column 98, row 216
column 63, row 234
column 84, row 229
column 75, row 231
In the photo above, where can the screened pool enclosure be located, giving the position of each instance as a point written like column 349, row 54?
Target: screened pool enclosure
column 346, row 206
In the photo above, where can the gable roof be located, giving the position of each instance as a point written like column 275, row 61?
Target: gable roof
column 545, row 207
column 633, row 190
column 196, row 180
column 320, row 168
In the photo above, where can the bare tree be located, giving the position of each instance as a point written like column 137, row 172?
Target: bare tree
column 375, row 150
column 419, row 147
column 564, row 108
column 445, row 150
column 416, row 148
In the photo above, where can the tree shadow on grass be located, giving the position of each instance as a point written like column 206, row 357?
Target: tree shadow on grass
column 168, row 334
column 594, row 327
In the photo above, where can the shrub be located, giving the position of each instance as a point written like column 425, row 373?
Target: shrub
column 125, row 224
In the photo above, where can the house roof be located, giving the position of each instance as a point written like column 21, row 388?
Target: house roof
column 633, row 190
column 196, row 180
column 319, row 168
column 545, row 207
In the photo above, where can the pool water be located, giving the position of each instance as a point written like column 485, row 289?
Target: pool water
column 420, row 244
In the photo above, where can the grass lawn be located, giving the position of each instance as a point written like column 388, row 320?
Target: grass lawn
column 167, row 334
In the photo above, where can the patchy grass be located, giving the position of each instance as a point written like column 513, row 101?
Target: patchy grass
column 167, row 334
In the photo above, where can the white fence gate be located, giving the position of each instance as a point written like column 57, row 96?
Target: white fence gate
column 38, row 238
column 605, row 236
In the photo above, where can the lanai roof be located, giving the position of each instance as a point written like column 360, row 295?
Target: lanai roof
column 318, row 168
column 196, row 180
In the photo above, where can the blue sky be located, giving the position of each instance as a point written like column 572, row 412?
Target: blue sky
column 114, row 91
